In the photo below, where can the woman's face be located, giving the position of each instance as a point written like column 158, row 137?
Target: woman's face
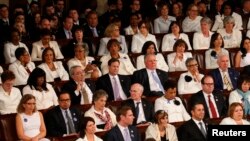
column 20, row 27
column 49, row 56
column 79, row 53
column 15, row 37
column 25, row 58
column 245, row 86
column 116, row 32
column 37, row 18
column 164, row 121
column 176, row 9
column 175, row 28
column 193, row 12
column 218, row 41
column 29, row 106
column 45, row 39
column 246, row 44
column 40, row 81
column 143, row 29
column 205, row 27
column 229, row 26
column 170, row 93
column 238, row 113
column 79, row 35
column 227, row 10
column 114, row 49
column 20, row 18
column 90, row 127
column 180, row 48
column 192, row 66
column 164, row 10
column 151, row 49
column 100, row 103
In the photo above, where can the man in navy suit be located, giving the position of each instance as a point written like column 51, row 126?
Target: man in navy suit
column 123, row 131
column 56, row 120
column 147, row 79
column 142, row 109
column 65, row 32
column 195, row 128
column 108, row 82
column 223, row 71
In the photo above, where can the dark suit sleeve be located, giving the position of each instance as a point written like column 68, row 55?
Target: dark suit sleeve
column 109, row 136
column 70, row 87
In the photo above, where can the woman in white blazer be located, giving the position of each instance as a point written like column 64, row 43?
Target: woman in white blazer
column 45, row 42
column 177, row 59
column 161, row 129
column 150, row 48
column 87, row 130
column 126, row 67
column 104, row 118
column 112, row 32
column 54, row 69
column 192, row 21
column 22, row 67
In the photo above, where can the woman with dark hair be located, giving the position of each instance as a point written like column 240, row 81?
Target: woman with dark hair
column 150, row 48
column 161, row 130
column 30, row 125
column 216, row 47
column 87, row 130
column 242, row 57
column 177, row 59
column 175, row 33
column 42, row 91
column 54, row 69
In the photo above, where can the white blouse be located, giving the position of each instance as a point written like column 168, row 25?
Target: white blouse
column 169, row 40
column 232, row 40
column 200, row 41
column 211, row 61
column 138, row 40
column 189, row 25
column 179, row 64
column 9, row 51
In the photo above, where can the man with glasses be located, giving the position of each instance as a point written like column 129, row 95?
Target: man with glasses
column 62, row 120
column 214, row 103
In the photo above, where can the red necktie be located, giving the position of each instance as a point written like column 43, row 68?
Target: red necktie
column 28, row 70
column 212, row 108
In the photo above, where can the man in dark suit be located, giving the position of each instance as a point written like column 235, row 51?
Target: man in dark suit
column 62, row 120
column 151, row 78
column 214, row 103
column 141, row 108
column 65, row 32
column 195, row 128
column 117, row 86
column 4, row 23
column 123, row 131
column 225, row 78
column 76, row 85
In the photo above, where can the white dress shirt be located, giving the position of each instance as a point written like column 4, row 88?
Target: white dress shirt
column 211, row 62
column 200, row 41
column 179, row 64
column 189, row 25
column 122, row 94
column 232, row 40
column 9, row 51
column 213, row 101
column 138, row 40
column 169, row 40
column 161, row 25
column 230, row 121
column 141, row 115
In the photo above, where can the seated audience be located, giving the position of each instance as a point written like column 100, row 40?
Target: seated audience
column 242, row 57
column 87, row 130
column 150, row 48
column 22, row 67
column 177, row 59
column 192, row 21
column 171, row 104
column 132, row 29
column 161, row 130
column 65, row 32
column 104, row 118
column 190, row 81
column 116, row 85
column 9, row 95
column 142, row 109
column 80, row 92
column 54, row 69
column 29, row 122
column 43, row 92
column 126, row 66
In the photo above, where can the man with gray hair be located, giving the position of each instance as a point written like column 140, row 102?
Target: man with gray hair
column 80, row 92
column 225, row 78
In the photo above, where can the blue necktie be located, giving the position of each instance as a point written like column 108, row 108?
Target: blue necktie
column 157, row 80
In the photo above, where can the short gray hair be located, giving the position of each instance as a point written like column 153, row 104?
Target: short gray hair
column 189, row 60
column 71, row 71
column 98, row 94
column 228, row 19
column 206, row 20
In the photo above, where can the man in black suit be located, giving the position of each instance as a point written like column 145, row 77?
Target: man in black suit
column 214, row 103
column 4, row 23
column 62, row 120
column 224, row 72
column 77, row 87
column 117, row 86
column 142, row 109
column 151, row 78
column 123, row 131
column 195, row 128
column 65, row 32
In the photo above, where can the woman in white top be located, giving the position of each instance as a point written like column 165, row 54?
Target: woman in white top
column 242, row 57
column 226, row 10
column 177, row 59
column 192, row 22
column 132, row 29
column 169, row 40
column 232, row 37
column 87, row 130
column 45, row 42
column 104, row 118
column 10, row 47
column 141, row 37
column 43, row 92
column 190, row 81
column 54, row 69
column 86, row 62
column 216, row 48
column 150, row 48
column 29, row 122
column 161, row 130
column 235, row 115
column 201, row 40
column 161, row 24
column 126, row 67
column 112, row 32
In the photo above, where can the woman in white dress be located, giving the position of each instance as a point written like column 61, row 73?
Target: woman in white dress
column 29, row 122
column 54, row 69
column 87, row 130
column 192, row 22
column 242, row 57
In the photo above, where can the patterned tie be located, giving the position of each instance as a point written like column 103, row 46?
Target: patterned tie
column 202, row 129
column 85, row 96
column 137, row 109
column 226, row 82
column 70, row 123
column 157, row 80
column 212, row 107
column 116, row 90
column 127, row 136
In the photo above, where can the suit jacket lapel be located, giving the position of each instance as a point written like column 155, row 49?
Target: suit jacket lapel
column 197, row 128
column 132, row 134
column 144, row 106
column 61, row 118
column 220, row 79
column 118, row 133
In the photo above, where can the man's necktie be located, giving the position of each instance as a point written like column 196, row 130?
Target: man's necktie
column 94, row 32
column 227, row 82
column 127, row 136
column 70, row 35
column 137, row 109
column 157, row 80
column 70, row 123
column 212, row 107
column 85, row 96
column 203, row 131
column 116, row 90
